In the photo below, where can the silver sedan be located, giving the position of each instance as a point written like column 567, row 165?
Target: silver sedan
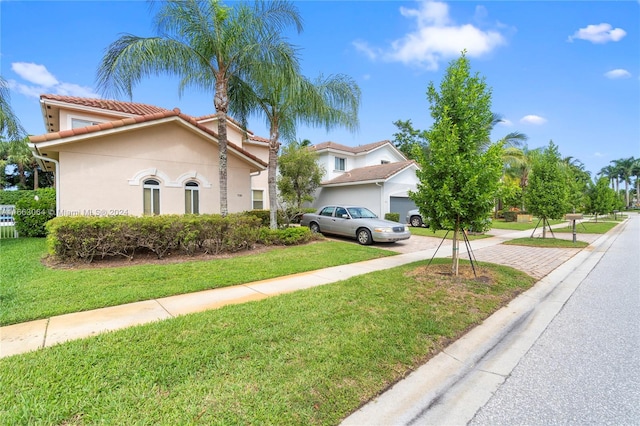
column 355, row 222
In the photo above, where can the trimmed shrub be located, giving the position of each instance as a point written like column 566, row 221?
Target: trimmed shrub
column 395, row 217
column 286, row 236
column 87, row 238
column 12, row 197
column 33, row 212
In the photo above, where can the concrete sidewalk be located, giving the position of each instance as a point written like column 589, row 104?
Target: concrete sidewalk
column 33, row 335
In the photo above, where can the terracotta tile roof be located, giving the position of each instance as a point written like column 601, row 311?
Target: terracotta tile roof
column 108, row 104
column 377, row 173
column 164, row 113
column 352, row 149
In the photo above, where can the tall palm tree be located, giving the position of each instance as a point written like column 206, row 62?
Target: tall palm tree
column 9, row 123
column 286, row 100
column 21, row 156
column 611, row 174
column 211, row 47
column 625, row 166
column 519, row 163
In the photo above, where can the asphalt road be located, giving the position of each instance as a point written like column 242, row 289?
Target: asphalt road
column 584, row 369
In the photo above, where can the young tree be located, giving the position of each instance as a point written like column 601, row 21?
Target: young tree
column 211, row 47
column 547, row 192
column 300, row 174
column 459, row 181
column 601, row 198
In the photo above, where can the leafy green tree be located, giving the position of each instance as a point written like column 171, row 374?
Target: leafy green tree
column 601, row 198
column 211, row 47
column 460, row 178
column 300, row 174
column 408, row 140
column 578, row 180
column 547, row 193
column 286, row 99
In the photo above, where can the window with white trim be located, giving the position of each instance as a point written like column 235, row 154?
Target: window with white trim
column 191, row 198
column 78, row 122
column 341, row 164
column 257, row 197
column 151, row 197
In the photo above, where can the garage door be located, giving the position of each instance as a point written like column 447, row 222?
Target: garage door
column 402, row 205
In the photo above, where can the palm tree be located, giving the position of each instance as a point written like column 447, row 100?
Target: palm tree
column 286, row 100
column 625, row 166
column 9, row 123
column 611, row 173
column 211, row 47
column 21, row 156
column 519, row 163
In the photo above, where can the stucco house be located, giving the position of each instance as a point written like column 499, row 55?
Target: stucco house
column 113, row 157
column 377, row 176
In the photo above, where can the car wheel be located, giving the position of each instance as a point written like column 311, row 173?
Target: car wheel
column 314, row 227
column 364, row 236
column 416, row 221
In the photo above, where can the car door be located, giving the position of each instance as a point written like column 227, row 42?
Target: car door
column 340, row 223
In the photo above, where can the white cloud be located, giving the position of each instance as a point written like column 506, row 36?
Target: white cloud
column 617, row 74
column 435, row 38
column 34, row 73
column 364, row 47
column 45, row 82
column 533, row 119
column 601, row 33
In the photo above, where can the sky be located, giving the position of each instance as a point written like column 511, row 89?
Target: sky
column 561, row 71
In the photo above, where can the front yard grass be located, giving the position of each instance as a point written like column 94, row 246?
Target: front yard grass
column 306, row 358
column 30, row 290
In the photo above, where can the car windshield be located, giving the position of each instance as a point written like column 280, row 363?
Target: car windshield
column 361, row 213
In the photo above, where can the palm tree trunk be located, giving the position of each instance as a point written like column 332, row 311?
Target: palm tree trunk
column 221, row 104
column 274, row 147
column 35, row 177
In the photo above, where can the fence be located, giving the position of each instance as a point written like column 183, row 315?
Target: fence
column 7, row 224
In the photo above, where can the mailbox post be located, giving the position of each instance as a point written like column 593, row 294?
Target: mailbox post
column 573, row 218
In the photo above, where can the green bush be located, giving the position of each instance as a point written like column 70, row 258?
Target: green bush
column 395, row 217
column 12, row 197
column 33, row 212
column 87, row 238
column 285, row 236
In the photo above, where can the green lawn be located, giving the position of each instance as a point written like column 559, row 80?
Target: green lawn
column 589, row 227
column 32, row 291
column 426, row 232
column 306, row 358
column 501, row 224
column 546, row 242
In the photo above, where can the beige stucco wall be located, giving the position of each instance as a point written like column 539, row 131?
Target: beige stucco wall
column 105, row 175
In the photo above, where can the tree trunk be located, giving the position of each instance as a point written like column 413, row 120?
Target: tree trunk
column 274, row 147
column 221, row 104
column 544, row 228
column 455, row 254
column 35, row 177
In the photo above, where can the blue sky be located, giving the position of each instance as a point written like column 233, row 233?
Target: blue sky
column 562, row 71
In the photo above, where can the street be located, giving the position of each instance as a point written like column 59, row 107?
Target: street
column 585, row 367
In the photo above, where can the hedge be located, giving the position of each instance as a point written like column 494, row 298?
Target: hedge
column 88, row 238
column 33, row 210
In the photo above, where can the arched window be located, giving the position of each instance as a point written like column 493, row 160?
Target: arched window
column 191, row 198
column 151, row 197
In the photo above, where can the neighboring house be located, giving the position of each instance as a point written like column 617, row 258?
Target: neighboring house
column 376, row 176
column 112, row 157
